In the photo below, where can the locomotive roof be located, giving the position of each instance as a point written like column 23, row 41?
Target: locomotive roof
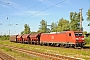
column 78, row 31
column 55, row 32
column 63, row 32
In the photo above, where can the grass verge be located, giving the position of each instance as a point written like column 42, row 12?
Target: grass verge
column 80, row 53
column 18, row 55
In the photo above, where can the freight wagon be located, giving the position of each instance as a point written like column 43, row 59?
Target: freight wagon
column 26, row 38
column 19, row 38
column 13, row 38
column 35, row 38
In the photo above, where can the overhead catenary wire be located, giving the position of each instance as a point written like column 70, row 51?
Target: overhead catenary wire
column 30, row 7
column 41, row 10
column 9, row 18
column 44, row 10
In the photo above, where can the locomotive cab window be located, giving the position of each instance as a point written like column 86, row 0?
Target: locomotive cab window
column 69, row 34
column 80, row 34
column 76, row 34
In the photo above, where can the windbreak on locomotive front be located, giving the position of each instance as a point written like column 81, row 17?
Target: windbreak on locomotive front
column 79, row 38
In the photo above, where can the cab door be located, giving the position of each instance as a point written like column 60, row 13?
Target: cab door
column 69, row 38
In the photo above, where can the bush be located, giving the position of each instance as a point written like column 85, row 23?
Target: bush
column 6, row 49
column 4, row 37
column 87, row 40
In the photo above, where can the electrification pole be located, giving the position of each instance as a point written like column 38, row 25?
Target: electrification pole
column 8, row 20
column 80, row 19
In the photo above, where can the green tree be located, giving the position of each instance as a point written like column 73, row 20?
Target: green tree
column 84, row 32
column 75, row 21
column 53, row 27
column 4, row 37
column 88, row 16
column 26, row 29
column 22, row 32
column 43, row 26
column 63, row 25
column 48, row 30
column 87, row 40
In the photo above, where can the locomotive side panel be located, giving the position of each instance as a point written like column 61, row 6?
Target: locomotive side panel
column 44, row 38
column 60, row 38
column 54, row 38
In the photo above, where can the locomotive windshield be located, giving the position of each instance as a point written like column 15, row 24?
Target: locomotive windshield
column 78, row 34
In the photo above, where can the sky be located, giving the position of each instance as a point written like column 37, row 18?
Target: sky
column 15, row 13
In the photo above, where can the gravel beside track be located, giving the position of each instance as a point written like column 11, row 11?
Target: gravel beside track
column 40, row 54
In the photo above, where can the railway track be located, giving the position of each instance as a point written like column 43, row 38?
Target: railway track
column 4, row 56
column 40, row 54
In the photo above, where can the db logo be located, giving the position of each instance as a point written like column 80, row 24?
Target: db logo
column 52, row 37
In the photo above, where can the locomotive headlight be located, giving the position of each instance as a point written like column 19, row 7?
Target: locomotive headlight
column 76, row 38
column 82, row 38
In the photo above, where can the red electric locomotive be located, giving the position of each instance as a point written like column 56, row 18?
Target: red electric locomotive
column 66, row 38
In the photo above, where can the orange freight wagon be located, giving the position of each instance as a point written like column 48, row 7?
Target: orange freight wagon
column 26, row 38
column 19, row 38
column 35, row 38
